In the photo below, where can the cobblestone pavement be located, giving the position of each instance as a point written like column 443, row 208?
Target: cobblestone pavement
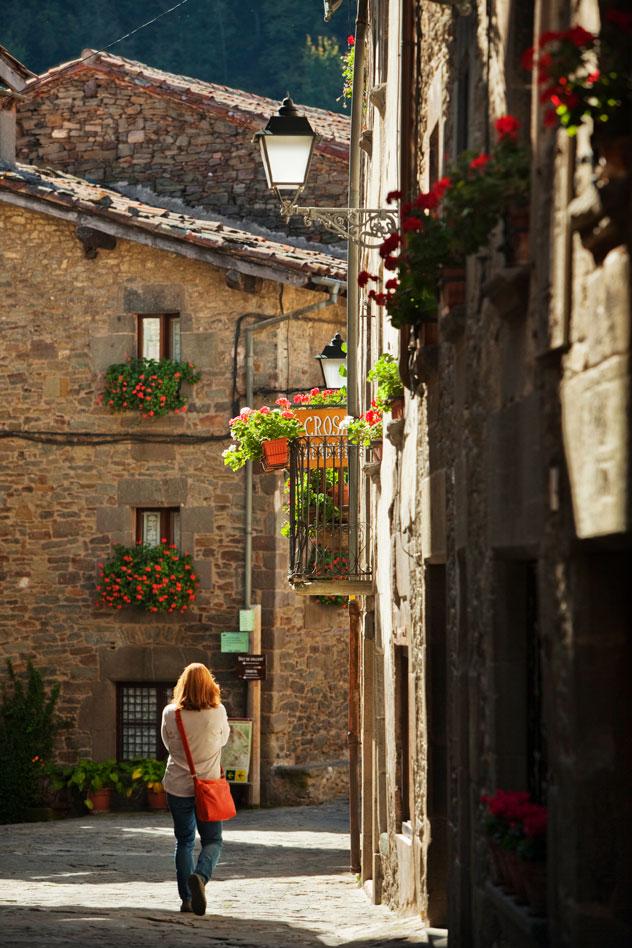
column 109, row 880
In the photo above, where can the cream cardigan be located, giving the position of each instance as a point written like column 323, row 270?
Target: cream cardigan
column 207, row 731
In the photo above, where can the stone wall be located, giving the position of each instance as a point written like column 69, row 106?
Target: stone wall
column 502, row 519
column 65, row 504
column 111, row 132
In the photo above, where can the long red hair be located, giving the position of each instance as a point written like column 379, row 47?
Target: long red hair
column 196, row 689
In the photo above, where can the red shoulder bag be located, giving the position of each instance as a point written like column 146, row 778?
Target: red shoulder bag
column 213, row 799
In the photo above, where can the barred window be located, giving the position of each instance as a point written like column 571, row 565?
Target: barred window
column 139, row 714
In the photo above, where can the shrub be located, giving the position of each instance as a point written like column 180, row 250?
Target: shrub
column 28, row 727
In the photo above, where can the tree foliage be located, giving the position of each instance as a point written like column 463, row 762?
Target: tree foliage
column 268, row 47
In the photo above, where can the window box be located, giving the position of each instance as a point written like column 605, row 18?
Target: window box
column 155, row 579
column 148, row 386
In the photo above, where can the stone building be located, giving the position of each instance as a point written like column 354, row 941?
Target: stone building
column 116, row 121
column 83, row 268
column 495, row 652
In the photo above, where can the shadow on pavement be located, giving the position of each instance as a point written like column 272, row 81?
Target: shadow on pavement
column 77, row 925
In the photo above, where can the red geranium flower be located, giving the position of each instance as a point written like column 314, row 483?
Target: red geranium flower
column 479, row 162
column 507, row 126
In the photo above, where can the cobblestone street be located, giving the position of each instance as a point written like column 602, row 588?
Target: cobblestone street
column 283, row 880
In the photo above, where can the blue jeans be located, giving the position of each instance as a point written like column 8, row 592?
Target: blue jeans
column 184, row 824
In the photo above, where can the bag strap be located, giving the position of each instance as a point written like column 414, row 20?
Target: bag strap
column 185, row 743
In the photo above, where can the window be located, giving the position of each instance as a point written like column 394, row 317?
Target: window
column 156, row 524
column 138, row 718
column 159, row 337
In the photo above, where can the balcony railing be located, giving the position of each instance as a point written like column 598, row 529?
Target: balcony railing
column 328, row 541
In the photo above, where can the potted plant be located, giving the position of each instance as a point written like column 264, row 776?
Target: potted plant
column 333, row 566
column 148, row 386
column 149, row 772
column 263, row 434
column 442, row 227
column 97, row 780
column 367, row 430
column 516, row 829
column 584, row 76
column 154, row 578
column 390, row 389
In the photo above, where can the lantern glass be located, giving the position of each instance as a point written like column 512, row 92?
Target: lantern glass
column 286, row 160
column 331, row 372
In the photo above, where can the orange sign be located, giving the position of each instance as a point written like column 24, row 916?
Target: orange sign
column 322, row 421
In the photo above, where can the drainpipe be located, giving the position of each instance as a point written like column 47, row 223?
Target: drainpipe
column 353, row 407
column 333, row 287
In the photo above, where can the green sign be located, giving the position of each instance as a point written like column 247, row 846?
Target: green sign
column 246, row 620
column 235, row 642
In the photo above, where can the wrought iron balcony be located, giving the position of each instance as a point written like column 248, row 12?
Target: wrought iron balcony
column 328, row 545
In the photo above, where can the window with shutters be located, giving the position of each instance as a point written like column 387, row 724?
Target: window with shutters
column 155, row 524
column 159, row 337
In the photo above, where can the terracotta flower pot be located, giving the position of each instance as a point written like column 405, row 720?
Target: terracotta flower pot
column 100, row 800
column 534, row 876
column 452, row 287
column 517, row 229
column 340, row 495
column 397, row 407
column 499, row 876
column 515, row 868
column 157, row 799
column 376, row 448
column 332, row 539
column 276, row 454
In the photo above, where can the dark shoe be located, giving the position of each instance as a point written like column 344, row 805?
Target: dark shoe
column 186, row 906
column 198, row 895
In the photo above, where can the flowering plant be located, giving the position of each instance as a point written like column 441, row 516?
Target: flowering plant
column 389, row 385
column 316, row 493
column 442, row 227
column 325, row 396
column 252, row 427
column 366, row 428
column 585, row 76
column 149, row 386
column 514, row 822
column 333, row 565
column 155, row 578
column 348, row 60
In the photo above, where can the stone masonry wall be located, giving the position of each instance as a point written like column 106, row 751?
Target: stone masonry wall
column 109, row 132
column 65, row 505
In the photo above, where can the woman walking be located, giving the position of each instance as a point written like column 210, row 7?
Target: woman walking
column 197, row 697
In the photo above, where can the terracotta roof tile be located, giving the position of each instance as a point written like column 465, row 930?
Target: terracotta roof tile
column 228, row 243
column 241, row 108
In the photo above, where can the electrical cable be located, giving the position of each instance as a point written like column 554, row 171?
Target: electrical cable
column 82, row 438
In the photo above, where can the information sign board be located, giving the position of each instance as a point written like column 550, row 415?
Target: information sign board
column 235, row 641
column 236, row 753
column 251, row 667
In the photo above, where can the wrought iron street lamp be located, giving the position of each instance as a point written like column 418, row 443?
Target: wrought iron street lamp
column 287, row 145
column 331, row 359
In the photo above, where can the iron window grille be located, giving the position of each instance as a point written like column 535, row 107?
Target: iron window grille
column 139, row 716
column 328, row 545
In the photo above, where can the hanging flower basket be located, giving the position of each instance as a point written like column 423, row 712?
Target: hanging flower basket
column 262, row 434
column 452, row 291
column 156, row 579
column 517, row 231
column 275, row 454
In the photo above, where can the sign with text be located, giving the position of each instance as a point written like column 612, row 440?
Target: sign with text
column 251, row 667
column 246, row 620
column 235, row 641
column 236, row 753
column 321, row 421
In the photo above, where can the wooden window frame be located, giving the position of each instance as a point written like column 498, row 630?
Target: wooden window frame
column 164, row 691
column 165, row 522
column 166, row 320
